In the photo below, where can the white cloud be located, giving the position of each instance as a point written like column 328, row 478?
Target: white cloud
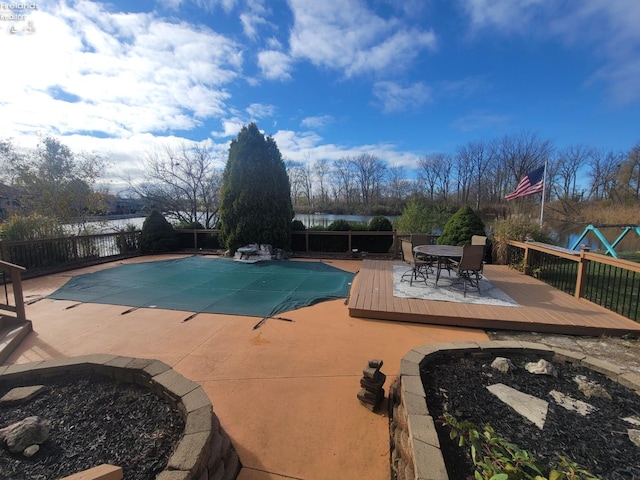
column 396, row 98
column 253, row 18
column 605, row 30
column 274, row 65
column 261, row 110
column 319, row 121
column 502, row 14
column 207, row 5
column 126, row 73
column 308, row 147
column 230, row 128
column 346, row 36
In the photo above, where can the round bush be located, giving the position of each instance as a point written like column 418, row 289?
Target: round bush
column 157, row 235
column 462, row 225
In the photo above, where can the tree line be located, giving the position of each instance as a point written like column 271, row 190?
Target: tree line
column 183, row 182
column 480, row 172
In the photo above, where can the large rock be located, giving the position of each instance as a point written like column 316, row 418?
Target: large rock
column 20, row 435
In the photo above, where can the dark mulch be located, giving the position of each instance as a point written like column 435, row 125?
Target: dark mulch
column 94, row 420
column 597, row 442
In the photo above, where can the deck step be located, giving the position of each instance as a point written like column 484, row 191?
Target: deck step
column 12, row 332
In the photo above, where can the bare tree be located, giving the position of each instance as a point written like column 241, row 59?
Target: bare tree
column 429, row 172
column 478, row 155
column 182, row 183
column 603, row 171
column 370, row 172
column 344, row 180
column 522, row 153
column 301, row 180
column 322, row 170
column 568, row 162
column 446, row 166
column 463, row 178
column 630, row 172
column 398, row 186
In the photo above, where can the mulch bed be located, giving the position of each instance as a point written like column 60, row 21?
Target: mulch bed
column 94, row 420
column 597, row 442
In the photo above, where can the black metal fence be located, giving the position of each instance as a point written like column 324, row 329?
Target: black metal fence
column 609, row 282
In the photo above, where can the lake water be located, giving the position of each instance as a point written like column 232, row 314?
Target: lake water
column 565, row 234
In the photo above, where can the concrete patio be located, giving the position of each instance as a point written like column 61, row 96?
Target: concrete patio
column 284, row 392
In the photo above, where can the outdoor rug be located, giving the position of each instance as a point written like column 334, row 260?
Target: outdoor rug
column 211, row 285
column 489, row 293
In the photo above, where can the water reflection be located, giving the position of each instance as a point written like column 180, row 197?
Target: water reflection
column 563, row 234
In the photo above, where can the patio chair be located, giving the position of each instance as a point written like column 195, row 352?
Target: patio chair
column 419, row 267
column 480, row 240
column 422, row 239
column 469, row 269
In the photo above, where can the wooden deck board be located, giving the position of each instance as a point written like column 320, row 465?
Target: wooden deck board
column 542, row 307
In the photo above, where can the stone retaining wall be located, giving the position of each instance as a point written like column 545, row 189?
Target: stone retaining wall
column 415, row 449
column 204, row 452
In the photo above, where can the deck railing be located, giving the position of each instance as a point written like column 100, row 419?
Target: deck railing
column 49, row 255
column 12, row 273
column 609, row 282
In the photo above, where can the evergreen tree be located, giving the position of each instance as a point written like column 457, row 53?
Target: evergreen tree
column 157, row 235
column 256, row 194
column 462, row 225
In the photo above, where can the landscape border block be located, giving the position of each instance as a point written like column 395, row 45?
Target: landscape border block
column 203, row 434
column 410, row 398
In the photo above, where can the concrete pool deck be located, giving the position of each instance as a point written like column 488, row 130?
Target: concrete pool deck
column 285, row 392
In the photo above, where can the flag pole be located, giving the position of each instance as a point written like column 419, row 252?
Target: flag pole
column 544, row 189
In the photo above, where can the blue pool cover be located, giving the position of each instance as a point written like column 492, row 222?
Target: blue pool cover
column 211, row 285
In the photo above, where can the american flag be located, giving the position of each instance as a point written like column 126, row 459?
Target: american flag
column 532, row 183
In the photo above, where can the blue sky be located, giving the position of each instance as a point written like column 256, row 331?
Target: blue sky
column 328, row 79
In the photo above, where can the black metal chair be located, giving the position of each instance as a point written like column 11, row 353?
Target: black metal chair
column 469, row 269
column 419, row 267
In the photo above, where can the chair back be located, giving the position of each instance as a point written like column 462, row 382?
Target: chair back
column 478, row 240
column 421, row 239
column 472, row 257
column 407, row 251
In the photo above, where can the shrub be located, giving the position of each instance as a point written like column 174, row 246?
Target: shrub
column 189, row 226
column 380, row 224
column 157, row 234
column 298, row 243
column 515, row 230
column 33, row 227
column 379, row 244
column 461, row 227
column 340, row 226
column 298, row 226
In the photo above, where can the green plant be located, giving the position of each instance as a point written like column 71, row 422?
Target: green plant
column 518, row 230
column 256, row 195
column 157, row 235
column 495, row 458
column 298, row 226
column 189, row 226
column 377, row 243
column 32, row 227
column 462, row 225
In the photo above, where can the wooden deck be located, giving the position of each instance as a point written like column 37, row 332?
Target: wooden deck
column 542, row 307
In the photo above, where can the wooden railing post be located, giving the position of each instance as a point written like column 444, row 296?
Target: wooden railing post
column 525, row 261
column 583, row 266
column 15, row 272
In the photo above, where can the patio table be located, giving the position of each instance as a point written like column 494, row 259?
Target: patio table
column 443, row 253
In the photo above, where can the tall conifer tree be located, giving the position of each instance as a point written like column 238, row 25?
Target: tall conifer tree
column 256, row 194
